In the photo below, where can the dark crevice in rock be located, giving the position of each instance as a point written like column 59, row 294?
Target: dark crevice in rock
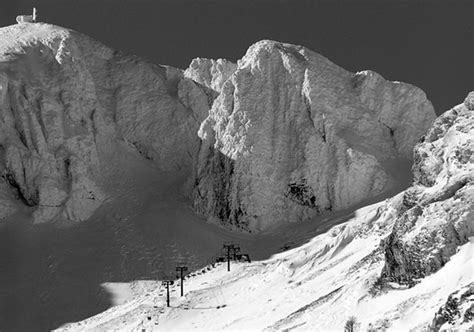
column 323, row 133
column 142, row 150
column 302, row 194
column 93, row 125
column 18, row 127
column 329, row 190
column 40, row 119
column 10, row 179
column 391, row 130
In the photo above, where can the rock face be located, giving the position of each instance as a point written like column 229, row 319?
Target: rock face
column 65, row 103
column 289, row 135
column 292, row 135
column 437, row 214
column 457, row 311
column 210, row 73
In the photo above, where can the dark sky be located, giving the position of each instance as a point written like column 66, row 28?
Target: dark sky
column 427, row 43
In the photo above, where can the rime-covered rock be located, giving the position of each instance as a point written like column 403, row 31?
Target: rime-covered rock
column 210, row 73
column 292, row 135
column 437, row 214
column 66, row 101
column 457, row 312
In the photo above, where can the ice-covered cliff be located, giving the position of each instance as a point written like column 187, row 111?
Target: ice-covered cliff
column 292, row 135
column 67, row 102
column 402, row 264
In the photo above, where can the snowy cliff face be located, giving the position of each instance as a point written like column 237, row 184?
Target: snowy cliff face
column 289, row 135
column 437, row 214
column 402, row 264
column 65, row 103
column 292, row 135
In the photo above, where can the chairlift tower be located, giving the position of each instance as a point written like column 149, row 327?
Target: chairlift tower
column 229, row 246
column 182, row 268
column 235, row 252
column 167, row 284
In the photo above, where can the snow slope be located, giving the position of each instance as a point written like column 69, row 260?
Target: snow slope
column 314, row 287
column 51, row 274
column 351, row 269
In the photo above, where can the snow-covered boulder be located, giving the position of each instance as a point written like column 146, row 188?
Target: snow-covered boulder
column 65, row 103
column 437, row 214
column 292, row 135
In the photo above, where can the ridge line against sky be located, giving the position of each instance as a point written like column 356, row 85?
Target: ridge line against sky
column 427, row 43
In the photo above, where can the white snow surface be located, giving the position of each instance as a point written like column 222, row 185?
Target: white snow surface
column 331, row 272
column 314, row 287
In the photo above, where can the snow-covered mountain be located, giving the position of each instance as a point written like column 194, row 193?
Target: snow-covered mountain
column 292, row 135
column 289, row 136
column 405, row 263
column 67, row 102
column 284, row 146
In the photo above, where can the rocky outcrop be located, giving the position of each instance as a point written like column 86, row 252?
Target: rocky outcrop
column 437, row 214
column 65, row 103
column 292, row 135
column 210, row 73
column 457, row 312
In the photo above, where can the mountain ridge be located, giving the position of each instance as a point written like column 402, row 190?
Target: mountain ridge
column 88, row 97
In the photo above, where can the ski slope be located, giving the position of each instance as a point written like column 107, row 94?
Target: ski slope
column 304, row 276
column 54, row 274
column 314, row 287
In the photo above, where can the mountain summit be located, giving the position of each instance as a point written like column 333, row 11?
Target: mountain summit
column 292, row 135
column 68, row 105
